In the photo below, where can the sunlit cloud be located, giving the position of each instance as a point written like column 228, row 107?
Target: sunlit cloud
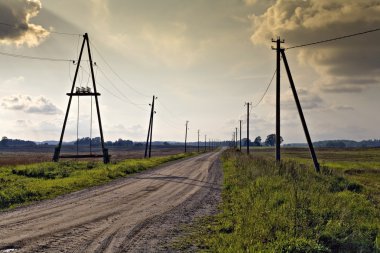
column 344, row 66
column 15, row 26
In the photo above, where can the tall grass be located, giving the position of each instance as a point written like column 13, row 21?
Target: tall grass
column 288, row 208
column 25, row 183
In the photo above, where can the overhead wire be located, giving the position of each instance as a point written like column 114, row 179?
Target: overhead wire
column 333, row 39
column 118, row 90
column 50, row 31
column 167, row 109
column 36, row 57
column 115, row 73
column 125, row 99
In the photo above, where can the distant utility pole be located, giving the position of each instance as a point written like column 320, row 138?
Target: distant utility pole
column 236, row 137
column 248, row 104
column 198, row 140
column 148, row 143
column 240, row 134
column 205, row 142
column 278, row 80
column 187, row 122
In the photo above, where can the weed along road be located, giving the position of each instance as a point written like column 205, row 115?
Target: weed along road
column 130, row 214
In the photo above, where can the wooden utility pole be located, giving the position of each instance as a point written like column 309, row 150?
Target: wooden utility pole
column 300, row 112
column 248, row 104
column 240, row 133
column 236, row 137
column 205, row 142
column 278, row 80
column 148, row 144
column 187, row 122
column 198, row 140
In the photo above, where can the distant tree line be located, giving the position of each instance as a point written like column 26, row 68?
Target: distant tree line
column 269, row 141
column 97, row 142
column 348, row 144
column 5, row 142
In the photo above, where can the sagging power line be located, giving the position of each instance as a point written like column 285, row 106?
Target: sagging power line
column 50, row 31
column 333, row 39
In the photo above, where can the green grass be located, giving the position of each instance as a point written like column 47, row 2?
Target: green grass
column 287, row 208
column 26, row 183
column 361, row 165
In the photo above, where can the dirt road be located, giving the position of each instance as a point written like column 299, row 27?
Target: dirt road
column 136, row 214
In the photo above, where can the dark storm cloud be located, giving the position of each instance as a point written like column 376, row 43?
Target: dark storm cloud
column 15, row 26
column 349, row 65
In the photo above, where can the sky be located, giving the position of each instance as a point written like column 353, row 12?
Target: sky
column 203, row 59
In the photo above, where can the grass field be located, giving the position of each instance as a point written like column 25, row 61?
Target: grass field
column 42, row 153
column 21, row 184
column 291, row 208
column 361, row 165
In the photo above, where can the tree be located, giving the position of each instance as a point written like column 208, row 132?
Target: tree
column 257, row 141
column 335, row 144
column 4, row 141
column 244, row 142
column 271, row 140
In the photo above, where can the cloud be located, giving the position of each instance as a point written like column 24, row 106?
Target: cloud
column 15, row 27
column 171, row 47
column 38, row 105
column 343, row 108
column 310, row 100
column 250, row 2
column 349, row 65
column 13, row 81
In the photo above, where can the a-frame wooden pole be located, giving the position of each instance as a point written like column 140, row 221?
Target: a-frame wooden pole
column 105, row 151
column 57, row 150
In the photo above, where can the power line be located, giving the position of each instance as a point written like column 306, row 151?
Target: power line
column 116, row 74
column 167, row 109
column 61, row 33
column 118, row 90
column 36, row 57
column 266, row 90
column 126, row 99
column 333, row 39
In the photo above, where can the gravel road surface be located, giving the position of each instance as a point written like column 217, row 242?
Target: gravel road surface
column 141, row 213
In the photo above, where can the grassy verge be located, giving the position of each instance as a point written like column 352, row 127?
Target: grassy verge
column 287, row 208
column 27, row 183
